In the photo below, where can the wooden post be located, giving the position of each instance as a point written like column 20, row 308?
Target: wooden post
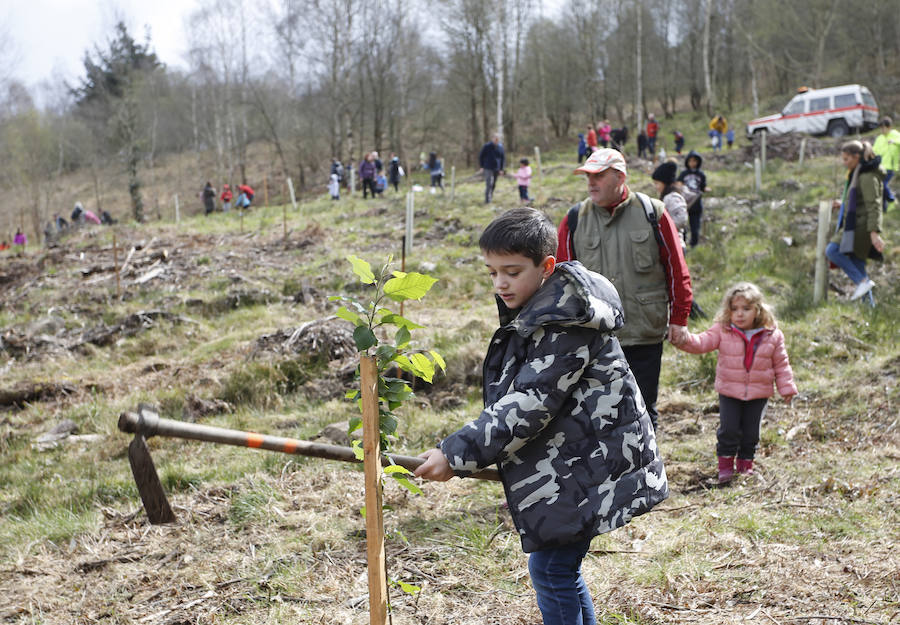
column 177, row 211
column 410, row 213
column 284, row 220
column 820, row 286
column 116, row 265
column 283, row 190
column 762, row 148
column 374, row 515
column 352, row 181
column 802, row 150
column 402, row 265
column 452, row 182
column 266, row 191
column 758, row 171
column 537, row 160
column 293, row 197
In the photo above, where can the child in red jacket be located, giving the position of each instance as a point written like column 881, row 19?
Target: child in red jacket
column 751, row 357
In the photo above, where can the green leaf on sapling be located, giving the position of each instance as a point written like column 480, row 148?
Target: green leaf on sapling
column 387, row 423
column 404, row 286
column 438, row 359
column 394, row 319
column 408, row 484
column 350, row 316
column 362, row 269
column 385, row 353
column 409, row 589
column 364, row 338
column 354, row 424
column 423, row 366
column 358, row 449
column 402, row 337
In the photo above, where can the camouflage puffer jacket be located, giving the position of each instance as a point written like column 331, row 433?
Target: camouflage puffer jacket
column 563, row 418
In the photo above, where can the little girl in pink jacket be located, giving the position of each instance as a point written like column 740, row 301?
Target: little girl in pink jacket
column 751, row 357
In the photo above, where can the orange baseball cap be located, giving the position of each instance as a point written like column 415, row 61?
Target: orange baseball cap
column 603, row 159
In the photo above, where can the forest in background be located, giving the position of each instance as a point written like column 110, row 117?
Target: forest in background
column 313, row 79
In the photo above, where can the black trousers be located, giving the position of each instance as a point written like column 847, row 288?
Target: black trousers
column 695, row 217
column 645, row 362
column 368, row 184
column 739, row 422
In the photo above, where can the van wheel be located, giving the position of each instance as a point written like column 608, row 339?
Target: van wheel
column 837, row 128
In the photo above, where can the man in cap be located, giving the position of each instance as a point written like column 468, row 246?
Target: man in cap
column 612, row 233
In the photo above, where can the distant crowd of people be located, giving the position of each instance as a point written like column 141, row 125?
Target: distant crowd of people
column 602, row 135
column 209, row 194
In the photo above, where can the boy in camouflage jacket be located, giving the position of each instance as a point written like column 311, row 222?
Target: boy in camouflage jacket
column 564, row 419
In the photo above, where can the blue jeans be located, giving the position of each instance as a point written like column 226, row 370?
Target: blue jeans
column 853, row 266
column 562, row 595
column 888, row 194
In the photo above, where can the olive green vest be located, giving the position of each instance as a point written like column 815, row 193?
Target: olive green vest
column 623, row 248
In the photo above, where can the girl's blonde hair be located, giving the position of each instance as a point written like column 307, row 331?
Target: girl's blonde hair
column 765, row 318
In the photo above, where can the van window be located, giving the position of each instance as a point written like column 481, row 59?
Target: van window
column 848, row 99
column 819, row 104
column 794, row 107
column 868, row 100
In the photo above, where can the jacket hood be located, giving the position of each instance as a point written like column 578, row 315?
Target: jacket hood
column 571, row 296
column 694, row 154
column 869, row 165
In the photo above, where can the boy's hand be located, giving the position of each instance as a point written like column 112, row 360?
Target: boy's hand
column 787, row 399
column 435, row 467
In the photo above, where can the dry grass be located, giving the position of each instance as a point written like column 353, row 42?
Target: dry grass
column 267, row 538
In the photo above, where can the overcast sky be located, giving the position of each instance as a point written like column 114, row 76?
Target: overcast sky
column 51, row 36
column 48, row 38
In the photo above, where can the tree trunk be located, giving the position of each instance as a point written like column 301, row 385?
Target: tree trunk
column 707, row 79
column 638, row 67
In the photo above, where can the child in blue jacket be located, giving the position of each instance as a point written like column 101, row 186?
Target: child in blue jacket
column 564, row 419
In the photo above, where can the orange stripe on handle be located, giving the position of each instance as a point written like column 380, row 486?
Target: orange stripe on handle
column 254, row 440
column 290, row 446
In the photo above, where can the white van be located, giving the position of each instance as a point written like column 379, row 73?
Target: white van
column 834, row 111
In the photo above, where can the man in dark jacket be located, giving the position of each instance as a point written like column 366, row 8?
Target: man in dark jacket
column 490, row 160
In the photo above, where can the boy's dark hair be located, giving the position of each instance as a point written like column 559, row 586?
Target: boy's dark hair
column 523, row 161
column 524, row 231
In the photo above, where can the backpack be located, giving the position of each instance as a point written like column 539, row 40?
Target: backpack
column 649, row 212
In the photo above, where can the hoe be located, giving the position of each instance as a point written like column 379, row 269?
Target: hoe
column 147, row 422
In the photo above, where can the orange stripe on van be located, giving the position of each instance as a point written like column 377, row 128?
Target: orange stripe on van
column 254, row 440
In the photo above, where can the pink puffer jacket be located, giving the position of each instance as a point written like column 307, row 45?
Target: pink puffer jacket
column 770, row 363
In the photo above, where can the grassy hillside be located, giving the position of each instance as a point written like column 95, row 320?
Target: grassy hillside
column 263, row 537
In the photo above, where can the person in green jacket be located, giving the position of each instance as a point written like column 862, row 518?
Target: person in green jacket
column 859, row 220
column 887, row 146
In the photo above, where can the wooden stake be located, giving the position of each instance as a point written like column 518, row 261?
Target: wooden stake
column 374, row 518
column 537, row 159
column 410, row 213
column 452, row 182
column 116, row 265
column 820, row 286
column 293, row 197
column 762, row 145
column 284, row 220
column 177, row 211
column 403, row 264
column 802, row 150
column 758, row 171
